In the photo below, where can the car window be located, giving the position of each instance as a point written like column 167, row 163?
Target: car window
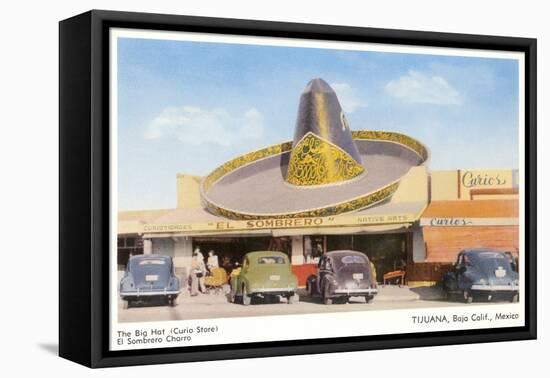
column 353, row 259
column 328, row 264
column 152, row 262
column 492, row 260
column 271, row 260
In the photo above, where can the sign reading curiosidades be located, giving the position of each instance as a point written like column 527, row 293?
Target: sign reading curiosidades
column 276, row 223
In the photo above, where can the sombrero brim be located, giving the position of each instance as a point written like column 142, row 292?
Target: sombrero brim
column 253, row 186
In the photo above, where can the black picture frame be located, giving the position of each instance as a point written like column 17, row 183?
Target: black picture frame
column 84, row 186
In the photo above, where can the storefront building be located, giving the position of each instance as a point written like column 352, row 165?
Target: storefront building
column 420, row 230
column 467, row 209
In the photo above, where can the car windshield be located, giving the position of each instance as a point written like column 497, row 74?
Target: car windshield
column 149, row 266
column 340, row 261
column 271, row 260
column 490, row 260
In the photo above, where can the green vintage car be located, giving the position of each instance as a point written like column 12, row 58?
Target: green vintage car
column 264, row 274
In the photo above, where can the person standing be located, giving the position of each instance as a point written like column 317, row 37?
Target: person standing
column 307, row 249
column 198, row 271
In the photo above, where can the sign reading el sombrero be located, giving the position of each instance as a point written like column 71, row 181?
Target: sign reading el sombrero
column 278, row 223
column 327, row 170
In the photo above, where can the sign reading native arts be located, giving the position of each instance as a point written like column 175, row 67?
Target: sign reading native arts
column 259, row 224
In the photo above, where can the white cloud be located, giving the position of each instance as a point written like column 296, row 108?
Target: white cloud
column 348, row 97
column 419, row 87
column 196, row 126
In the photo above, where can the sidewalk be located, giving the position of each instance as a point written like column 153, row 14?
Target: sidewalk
column 395, row 293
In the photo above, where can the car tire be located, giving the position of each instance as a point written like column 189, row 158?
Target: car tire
column 293, row 299
column 247, row 299
column 515, row 298
column 231, row 296
column 368, row 299
column 326, row 296
column 173, row 302
column 309, row 289
column 468, row 297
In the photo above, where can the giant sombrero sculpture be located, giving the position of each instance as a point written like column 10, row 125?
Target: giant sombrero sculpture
column 327, row 170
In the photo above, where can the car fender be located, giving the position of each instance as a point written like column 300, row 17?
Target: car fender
column 312, row 282
column 236, row 284
column 449, row 281
column 127, row 282
column 244, row 281
column 174, row 283
column 327, row 282
column 466, row 280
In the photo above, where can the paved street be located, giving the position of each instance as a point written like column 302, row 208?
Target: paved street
column 205, row 306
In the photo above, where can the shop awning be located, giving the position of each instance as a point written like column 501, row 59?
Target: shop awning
column 450, row 226
column 198, row 222
column 342, row 230
column 472, row 212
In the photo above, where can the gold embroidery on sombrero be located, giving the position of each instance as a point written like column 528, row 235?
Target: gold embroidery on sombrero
column 389, row 136
column 284, row 147
column 314, row 161
column 343, row 207
column 243, row 160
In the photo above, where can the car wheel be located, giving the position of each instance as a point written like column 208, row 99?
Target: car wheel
column 247, row 299
column 309, row 289
column 514, row 298
column 173, row 302
column 468, row 297
column 326, row 296
column 369, row 298
column 293, row 299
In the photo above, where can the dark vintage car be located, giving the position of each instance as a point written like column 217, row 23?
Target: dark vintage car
column 342, row 274
column 149, row 277
column 266, row 274
column 482, row 273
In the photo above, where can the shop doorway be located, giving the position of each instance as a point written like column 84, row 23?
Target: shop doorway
column 231, row 250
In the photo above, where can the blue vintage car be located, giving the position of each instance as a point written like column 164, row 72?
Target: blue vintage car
column 149, row 277
column 482, row 273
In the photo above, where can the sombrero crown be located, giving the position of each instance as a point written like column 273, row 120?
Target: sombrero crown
column 323, row 151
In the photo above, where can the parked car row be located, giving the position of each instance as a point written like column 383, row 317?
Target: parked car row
column 477, row 273
column 264, row 274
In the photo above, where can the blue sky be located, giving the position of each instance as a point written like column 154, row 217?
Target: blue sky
column 190, row 106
